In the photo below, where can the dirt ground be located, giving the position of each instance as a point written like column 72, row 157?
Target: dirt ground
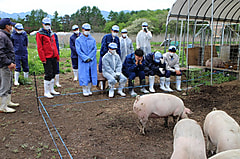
column 96, row 126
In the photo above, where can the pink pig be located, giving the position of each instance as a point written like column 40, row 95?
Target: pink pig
column 159, row 105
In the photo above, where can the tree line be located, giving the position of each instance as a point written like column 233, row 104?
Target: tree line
column 130, row 20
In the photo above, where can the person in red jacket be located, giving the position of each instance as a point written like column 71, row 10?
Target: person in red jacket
column 48, row 54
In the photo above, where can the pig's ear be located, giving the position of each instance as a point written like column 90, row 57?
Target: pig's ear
column 188, row 111
column 137, row 97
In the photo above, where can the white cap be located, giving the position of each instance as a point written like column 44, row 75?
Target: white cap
column 115, row 28
column 74, row 27
column 86, row 26
column 144, row 24
column 46, row 21
column 19, row 26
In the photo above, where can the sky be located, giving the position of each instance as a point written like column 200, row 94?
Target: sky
column 71, row 6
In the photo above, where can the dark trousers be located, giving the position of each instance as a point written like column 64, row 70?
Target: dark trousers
column 75, row 63
column 50, row 68
column 21, row 61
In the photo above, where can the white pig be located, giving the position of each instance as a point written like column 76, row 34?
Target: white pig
column 221, row 131
column 159, row 105
column 229, row 154
column 189, row 141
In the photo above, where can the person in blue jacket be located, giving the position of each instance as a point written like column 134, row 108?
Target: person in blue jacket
column 20, row 43
column 74, row 56
column 58, row 71
column 86, row 49
column 155, row 65
column 107, row 39
column 133, row 66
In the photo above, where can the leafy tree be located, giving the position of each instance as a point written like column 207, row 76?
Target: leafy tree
column 55, row 21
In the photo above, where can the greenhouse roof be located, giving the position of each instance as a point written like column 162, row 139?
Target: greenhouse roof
column 224, row 10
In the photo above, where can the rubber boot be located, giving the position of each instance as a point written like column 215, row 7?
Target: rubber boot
column 25, row 74
column 89, row 88
column 143, row 90
column 131, row 90
column 3, row 105
column 167, row 85
column 16, row 76
column 75, row 74
column 11, row 104
column 57, row 80
column 47, row 89
column 52, row 91
column 85, row 91
column 162, row 84
column 111, row 91
column 151, row 84
column 120, row 89
column 178, row 83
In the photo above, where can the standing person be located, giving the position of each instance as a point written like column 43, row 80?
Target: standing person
column 107, row 39
column 133, row 66
column 143, row 39
column 7, row 65
column 112, row 70
column 126, row 46
column 74, row 55
column 155, row 65
column 20, row 43
column 48, row 54
column 58, row 71
column 172, row 61
column 86, row 49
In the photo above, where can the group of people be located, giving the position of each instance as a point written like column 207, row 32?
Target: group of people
column 118, row 61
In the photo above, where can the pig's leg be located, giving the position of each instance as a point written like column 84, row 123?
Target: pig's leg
column 166, row 121
column 143, row 122
column 210, row 150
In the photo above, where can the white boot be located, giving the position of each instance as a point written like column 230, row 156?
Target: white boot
column 57, row 80
column 75, row 74
column 162, row 82
column 151, row 84
column 16, row 76
column 167, row 84
column 111, row 91
column 47, row 85
column 52, row 91
column 144, row 90
column 11, row 104
column 25, row 74
column 133, row 94
column 85, row 91
column 89, row 88
column 3, row 105
column 120, row 89
column 178, row 83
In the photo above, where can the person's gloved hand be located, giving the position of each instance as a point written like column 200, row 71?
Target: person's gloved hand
column 88, row 60
column 161, row 71
column 162, row 61
column 172, row 69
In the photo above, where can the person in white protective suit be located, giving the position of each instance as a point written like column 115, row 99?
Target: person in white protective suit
column 112, row 70
column 126, row 45
column 172, row 62
column 143, row 39
column 87, row 63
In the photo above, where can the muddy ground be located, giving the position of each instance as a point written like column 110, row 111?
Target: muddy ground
column 96, row 126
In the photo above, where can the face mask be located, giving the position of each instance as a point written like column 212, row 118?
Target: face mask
column 11, row 29
column 86, row 32
column 76, row 32
column 144, row 28
column 114, row 34
column 47, row 27
column 171, row 54
column 20, row 31
column 112, row 51
column 124, row 35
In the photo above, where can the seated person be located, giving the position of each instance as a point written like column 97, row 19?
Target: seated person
column 112, row 70
column 172, row 62
column 155, row 65
column 133, row 66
